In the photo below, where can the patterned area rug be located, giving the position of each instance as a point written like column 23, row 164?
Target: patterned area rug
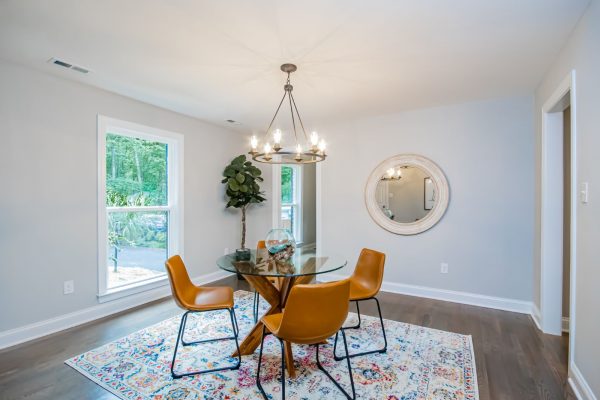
column 420, row 364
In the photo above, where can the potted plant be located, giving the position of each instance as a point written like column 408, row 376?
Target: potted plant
column 241, row 180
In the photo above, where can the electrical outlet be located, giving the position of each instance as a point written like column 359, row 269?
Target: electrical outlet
column 68, row 287
column 444, row 268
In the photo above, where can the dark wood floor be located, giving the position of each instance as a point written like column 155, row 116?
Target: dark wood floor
column 514, row 360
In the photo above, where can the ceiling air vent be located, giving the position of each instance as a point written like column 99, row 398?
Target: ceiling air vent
column 65, row 64
column 233, row 122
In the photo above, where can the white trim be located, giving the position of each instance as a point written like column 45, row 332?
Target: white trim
column 580, row 387
column 550, row 278
column 318, row 205
column 175, row 207
column 536, row 315
column 474, row 299
column 276, row 195
column 36, row 330
column 133, row 288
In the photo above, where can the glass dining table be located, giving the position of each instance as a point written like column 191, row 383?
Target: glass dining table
column 273, row 280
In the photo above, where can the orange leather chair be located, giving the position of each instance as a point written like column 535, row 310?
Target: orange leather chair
column 365, row 283
column 197, row 299
column 312, row 314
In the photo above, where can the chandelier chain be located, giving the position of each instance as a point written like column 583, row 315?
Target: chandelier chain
column 276, row 112
column 293, row 119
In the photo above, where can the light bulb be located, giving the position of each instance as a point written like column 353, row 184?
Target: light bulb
column 390, row 172
column 298, row 149
column 254, row 142
column 267, row 148
column 314, row 138
column 398, row 173
column 277, row 136
column 322, row 146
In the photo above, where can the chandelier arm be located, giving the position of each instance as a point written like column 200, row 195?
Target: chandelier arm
column 276, row 112
column 299, row 117
column 293, row 119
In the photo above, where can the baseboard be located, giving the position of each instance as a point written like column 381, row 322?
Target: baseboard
column 579, row 385
column 536, row 315
column 473, row 299
column 36, row 330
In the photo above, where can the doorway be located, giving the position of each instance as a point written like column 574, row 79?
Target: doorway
column 558, row 212
column 295, row 202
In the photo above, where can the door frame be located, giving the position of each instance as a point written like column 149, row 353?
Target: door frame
column 276, row 196
column 552, row 212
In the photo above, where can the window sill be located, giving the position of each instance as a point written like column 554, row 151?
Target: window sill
column 134, row 288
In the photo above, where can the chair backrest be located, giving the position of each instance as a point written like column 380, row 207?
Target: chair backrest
column 315, row 312
column 179, row 279
column 369, row 270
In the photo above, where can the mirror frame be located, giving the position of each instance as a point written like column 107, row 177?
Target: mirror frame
column 427, row 222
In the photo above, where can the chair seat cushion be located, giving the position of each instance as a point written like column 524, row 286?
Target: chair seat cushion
column 360, row 291
column 208, row 298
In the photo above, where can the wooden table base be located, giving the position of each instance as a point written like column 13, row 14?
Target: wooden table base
column 276, row 296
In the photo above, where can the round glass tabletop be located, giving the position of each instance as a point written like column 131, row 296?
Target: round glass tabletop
column 301, row 263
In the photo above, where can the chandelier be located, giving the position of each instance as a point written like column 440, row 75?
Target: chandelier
column 313, row 150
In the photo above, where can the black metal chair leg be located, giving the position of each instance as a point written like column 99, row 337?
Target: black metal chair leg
column 237, row 327
column 236, row 332
column 180, row 338
column 181, row 325
column 255, row 306
column 184, row 343
column 349, row 369
column 358, row 313
column 383, row 350
column 262, row 344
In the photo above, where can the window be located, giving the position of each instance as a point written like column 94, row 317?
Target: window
column 139, row 218
column 291, row 200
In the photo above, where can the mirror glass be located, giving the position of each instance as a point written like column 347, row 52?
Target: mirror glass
column 405, row 193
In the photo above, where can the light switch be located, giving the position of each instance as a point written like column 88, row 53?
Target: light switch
column 583, row 193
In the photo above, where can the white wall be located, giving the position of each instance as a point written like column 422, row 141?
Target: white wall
column 581, row 53
column 486, row 150
column 48, row 180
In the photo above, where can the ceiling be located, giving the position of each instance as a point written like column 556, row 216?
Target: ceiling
column 219, row 60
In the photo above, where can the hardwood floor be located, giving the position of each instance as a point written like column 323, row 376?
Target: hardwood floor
column 514, row 360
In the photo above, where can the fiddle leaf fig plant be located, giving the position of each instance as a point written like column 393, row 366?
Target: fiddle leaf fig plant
column 241, row 180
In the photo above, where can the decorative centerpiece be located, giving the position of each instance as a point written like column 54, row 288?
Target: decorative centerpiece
column 242, row 188
column 281, row 244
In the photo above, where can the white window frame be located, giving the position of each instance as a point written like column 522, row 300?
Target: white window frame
column 296, row 201
column 174, row 205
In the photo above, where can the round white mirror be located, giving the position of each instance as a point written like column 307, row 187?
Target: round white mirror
column 407, row 194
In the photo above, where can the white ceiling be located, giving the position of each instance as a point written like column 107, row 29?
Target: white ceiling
column 217, row 60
